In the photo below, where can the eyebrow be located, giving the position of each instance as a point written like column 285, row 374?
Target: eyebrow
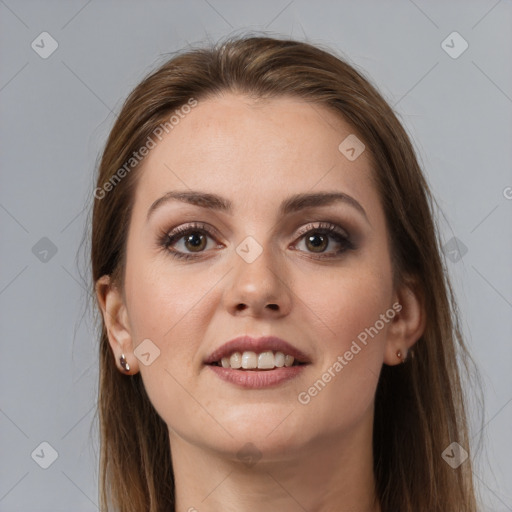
column 291, row 204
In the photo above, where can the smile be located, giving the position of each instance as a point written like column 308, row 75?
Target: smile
column 249, row 360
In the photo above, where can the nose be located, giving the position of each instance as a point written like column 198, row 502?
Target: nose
column 259, row 287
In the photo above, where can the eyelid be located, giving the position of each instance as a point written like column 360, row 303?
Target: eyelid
column 318, row 225
column 193, row 226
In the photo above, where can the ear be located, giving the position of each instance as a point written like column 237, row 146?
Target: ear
column 408, row 324
column 115, row 317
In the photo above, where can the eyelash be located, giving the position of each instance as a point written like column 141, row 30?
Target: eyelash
column 166, row 239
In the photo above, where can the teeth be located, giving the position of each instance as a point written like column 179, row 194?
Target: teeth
column 266, row 360
column 288, row 360
column 236, row 360
column 248, row 360
column 279, row 359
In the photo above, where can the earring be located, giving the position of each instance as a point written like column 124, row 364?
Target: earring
column 124, row 363
column 399, row 355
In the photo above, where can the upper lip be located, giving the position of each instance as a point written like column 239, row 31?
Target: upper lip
column 248, row 343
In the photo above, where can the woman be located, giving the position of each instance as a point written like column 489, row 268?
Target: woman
column 278, row 332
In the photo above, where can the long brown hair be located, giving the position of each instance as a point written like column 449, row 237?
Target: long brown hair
column 419, row 406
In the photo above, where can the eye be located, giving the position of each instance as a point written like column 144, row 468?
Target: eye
column 317, row 239
column 189, row 241
column 192, row 237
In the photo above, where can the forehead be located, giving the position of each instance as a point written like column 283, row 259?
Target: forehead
column 250, row 149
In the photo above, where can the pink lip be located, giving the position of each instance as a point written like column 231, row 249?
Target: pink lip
column 248, row 343
column 257, row 379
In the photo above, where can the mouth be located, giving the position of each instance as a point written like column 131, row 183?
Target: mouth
column 257, row 362
column 249, row 360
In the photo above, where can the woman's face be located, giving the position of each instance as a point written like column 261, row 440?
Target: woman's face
column 256, row 269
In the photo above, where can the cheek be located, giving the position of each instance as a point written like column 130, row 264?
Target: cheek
column 351, row 345
column 343, row 305
column 166, row 305
column 162, row 298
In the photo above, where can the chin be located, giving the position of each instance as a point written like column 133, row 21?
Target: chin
column 274, row 430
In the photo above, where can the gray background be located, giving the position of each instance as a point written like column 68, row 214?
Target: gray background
column 56, row 114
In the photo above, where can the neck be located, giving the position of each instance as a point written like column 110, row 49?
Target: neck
column 334, row 473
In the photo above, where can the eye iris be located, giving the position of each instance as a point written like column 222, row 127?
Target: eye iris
column 322, row 244
column 193, row 239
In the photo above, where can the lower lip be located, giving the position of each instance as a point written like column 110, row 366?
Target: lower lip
column 257, row 379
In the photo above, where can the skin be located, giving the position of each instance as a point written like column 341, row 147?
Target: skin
column 317, row 456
